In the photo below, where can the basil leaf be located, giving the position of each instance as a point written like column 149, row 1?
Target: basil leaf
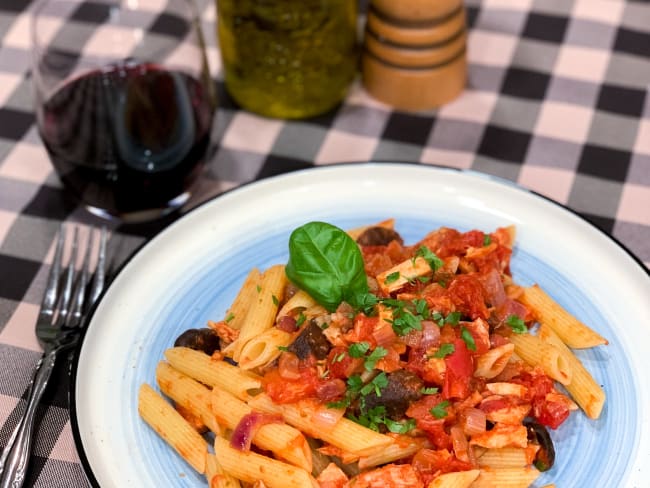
column 326, row 262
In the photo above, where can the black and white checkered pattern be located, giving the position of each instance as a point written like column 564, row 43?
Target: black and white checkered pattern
column 557, row 101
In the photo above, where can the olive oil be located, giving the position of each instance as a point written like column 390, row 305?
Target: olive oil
column 288, row 58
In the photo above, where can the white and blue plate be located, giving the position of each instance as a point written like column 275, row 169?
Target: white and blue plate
column 191, row 272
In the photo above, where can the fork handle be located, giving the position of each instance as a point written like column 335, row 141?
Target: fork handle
column 16, row 455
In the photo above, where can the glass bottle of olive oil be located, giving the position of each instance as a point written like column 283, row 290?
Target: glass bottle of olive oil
column 288, row 58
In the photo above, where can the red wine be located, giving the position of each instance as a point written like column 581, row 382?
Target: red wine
column 129, row 137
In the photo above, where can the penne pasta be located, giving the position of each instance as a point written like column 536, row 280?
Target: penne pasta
column 262, row 312
column 172, row 427
column 299, row 301
column 281, row 439
column 187, row 393
column 573, row 333
column 264, row 348
column 506, row 478
column 251, row 467
column 400, row 274
column 357, row 231
column 403, row 447
column 493, row 362
column 345, row 434
column 584, row 389
column 236, row 314
column 539, row 353
column 213, row 372
column 459, row 479
column 216, row 476
column 505, row 457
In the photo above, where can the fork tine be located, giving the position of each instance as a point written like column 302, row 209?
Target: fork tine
column 66, row 292
column 73, row 317
column 50, row 295
column 100, row 269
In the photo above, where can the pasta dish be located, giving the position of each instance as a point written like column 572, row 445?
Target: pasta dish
column 366, row 362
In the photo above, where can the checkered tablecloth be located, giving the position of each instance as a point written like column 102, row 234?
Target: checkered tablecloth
column 557, row 101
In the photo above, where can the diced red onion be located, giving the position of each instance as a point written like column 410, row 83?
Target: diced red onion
column 459, row 443
column 289, row 366
column 248, row 425
column 473, row 421
column 326, row 418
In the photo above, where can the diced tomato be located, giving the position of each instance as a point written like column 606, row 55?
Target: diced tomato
column 282, row 390
column 467, row 294
column 551, row 414
column 341, row 365
column 363, row 330
column 426, row 421
column 459, row 370
column 539, row 385
column 378, row 259
column 431, row 463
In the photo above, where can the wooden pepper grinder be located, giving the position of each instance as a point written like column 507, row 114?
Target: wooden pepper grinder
column 414, row 55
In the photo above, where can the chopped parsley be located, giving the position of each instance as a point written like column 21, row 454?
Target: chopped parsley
column 452, row 319
column 358, row 349
column 487, row 240
column 428, row 390
column 283, row 348
column 517, row 325
column 301, row 319
column 430, row 257
column 445, row 350
column 276, row 302
column 467, row 337
column 229, row 317
column 440, row 410
column 392, row 277
column 376, row 416
column 373, row 357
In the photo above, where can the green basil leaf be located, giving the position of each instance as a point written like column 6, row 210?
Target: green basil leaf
column 326, row 262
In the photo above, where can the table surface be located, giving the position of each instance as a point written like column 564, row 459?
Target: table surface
column 557, row 101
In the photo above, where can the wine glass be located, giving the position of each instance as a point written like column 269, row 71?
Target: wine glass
column 124, row 101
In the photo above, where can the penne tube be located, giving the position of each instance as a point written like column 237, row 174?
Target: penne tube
column 584, row 389
column 536, row 352
column 402, row 448
column 457, row 479
column 344, row 434
column 264, row 348
column 301, row 300
column 399, row 275
column 506, row 478
column 504, row 457
column 236, row 314
column 213, row 372
column 493, row 362
column 188, row 393
column 573, row 333
column 281, row 439
column 216, row 476
column 172, row 427
column 357, row 231
column 262, row 311
column 250, row 467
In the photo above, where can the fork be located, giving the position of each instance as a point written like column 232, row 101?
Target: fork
column 68, row 296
